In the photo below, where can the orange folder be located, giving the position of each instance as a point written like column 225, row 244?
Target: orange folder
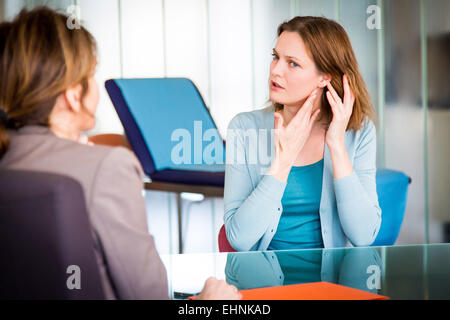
column 309, row 291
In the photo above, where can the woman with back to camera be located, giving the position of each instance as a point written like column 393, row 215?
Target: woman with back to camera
column 319, row 190
column 48, row 97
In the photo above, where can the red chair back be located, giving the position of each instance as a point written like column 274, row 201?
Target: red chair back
column 224, row 245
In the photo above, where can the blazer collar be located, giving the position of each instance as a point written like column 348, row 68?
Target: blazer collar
column 33, row 129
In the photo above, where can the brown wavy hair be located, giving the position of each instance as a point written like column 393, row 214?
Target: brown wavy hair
column 40, row 57
column 330, row 49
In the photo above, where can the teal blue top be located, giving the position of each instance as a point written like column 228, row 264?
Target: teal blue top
column 299, row 225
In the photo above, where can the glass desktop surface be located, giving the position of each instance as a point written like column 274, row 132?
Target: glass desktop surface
column 399, row 272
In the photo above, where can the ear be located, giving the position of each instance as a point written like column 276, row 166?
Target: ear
column 72, row 96
column 324, row 79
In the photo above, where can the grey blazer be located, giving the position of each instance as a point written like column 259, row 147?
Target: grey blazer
column 130, row 267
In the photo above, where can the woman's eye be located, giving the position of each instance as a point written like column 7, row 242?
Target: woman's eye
column 293, row 64
column 274, row 56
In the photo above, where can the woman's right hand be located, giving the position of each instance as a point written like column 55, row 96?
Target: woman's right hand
column 289, row 140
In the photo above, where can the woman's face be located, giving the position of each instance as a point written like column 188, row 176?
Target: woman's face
column 293, row 74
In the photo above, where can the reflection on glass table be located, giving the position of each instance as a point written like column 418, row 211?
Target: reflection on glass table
column 399, row 272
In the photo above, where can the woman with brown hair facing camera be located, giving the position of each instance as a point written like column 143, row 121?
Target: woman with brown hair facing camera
column 319, row 190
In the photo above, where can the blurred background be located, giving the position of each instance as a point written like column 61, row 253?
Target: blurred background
column 225, row 46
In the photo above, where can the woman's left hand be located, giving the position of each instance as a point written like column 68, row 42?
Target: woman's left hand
column 342, row 111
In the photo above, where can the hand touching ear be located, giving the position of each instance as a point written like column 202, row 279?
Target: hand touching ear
column 342, row 111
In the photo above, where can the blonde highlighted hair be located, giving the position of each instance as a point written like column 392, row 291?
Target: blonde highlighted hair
column 40, row 57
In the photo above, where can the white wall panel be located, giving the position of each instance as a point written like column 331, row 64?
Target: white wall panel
column 326, row 8
column 186, row 42
column 267, row 16
column 142, row 38
column 231, row 60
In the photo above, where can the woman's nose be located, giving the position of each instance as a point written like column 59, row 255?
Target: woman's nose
column 276, row 69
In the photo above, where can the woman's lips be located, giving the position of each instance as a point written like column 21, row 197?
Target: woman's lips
column 275, row 86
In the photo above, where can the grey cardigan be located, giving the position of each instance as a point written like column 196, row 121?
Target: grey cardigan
column 349, row 209
column 130, row 267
